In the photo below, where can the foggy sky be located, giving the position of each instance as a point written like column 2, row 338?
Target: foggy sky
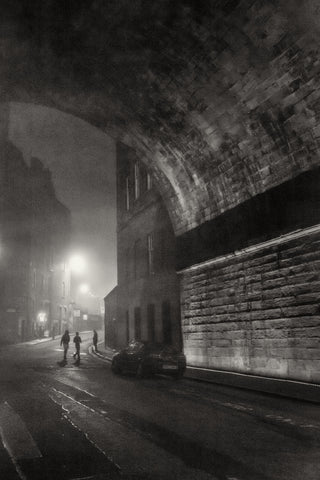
column 82, row 161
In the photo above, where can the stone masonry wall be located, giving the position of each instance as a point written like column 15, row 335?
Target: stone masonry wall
column 220, row 98
column 256, row 312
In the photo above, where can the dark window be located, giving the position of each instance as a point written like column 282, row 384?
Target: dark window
column 150, row 254
column 151, row 324
column 143, row 180
column 166, row 323
column 127, row 327
column 127, row 194
column 136, row 181
column 137, row 323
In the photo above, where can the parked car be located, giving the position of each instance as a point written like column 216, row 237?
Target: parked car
column 144, row 358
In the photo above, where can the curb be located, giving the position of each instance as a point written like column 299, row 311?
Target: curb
column 309, row 392
column 100, row 355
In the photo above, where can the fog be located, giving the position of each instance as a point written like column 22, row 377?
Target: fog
column 82, row 161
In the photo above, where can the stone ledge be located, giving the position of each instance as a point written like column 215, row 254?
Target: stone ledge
column 287, row 388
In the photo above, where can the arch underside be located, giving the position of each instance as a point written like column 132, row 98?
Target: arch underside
column 219, row 98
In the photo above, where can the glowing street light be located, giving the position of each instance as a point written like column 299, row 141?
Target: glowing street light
column 77, row 263
column 84, row 288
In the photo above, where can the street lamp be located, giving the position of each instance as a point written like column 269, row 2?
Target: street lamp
column 84, row 288
column 77, row 263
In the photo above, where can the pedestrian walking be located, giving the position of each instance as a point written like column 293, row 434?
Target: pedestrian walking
column 95, row 340
column 77, row 341
column 65, row 339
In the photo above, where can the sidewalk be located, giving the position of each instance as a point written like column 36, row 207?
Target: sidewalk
column 276, row 386
column 104, row 353
column 35, row 341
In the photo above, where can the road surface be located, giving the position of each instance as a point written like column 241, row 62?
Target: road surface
column 82, row 422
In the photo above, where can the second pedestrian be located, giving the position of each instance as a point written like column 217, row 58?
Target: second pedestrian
column 77, row 341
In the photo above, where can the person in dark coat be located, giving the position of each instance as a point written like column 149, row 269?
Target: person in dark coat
column 65, row 339
column 77, row 341
column 95, row 340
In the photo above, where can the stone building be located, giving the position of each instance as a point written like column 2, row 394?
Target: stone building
column 147, row 295
column 35, row 229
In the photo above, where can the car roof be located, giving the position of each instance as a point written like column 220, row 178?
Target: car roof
column 156, row 346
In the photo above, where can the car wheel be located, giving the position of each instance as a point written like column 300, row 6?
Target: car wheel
column 115, row 368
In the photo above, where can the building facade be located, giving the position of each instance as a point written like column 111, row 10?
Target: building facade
column 110, row 318
column 35, row 231
column 148, row 304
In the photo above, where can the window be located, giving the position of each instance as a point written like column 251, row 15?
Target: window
column 137, row 323
column 151, row 324
column 136, row 181
column 149, row 181
column 136, row 258
column 150, row 254
column 166, row 323
column 127, row 194
column 127, row 327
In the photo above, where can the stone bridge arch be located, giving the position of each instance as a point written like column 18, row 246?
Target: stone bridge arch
column 221, row 100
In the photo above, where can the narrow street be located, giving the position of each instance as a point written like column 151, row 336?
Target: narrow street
column 82, row 421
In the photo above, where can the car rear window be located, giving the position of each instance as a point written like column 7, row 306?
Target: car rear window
column 160, row 348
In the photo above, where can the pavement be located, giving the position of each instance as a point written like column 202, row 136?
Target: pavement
column 104, row 353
